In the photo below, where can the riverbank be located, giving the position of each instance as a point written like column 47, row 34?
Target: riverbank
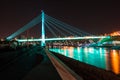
column 16, row 63
column 88, row 72
column 26, row 63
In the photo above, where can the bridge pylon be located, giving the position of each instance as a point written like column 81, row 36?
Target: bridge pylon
column 43, row 30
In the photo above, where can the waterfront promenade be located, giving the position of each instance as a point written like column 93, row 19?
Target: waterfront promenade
column 37, row 63
column 32, row 63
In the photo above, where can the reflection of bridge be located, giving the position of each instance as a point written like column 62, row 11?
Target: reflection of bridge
column 59, row 27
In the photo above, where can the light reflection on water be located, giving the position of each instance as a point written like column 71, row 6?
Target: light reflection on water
column 100, row 57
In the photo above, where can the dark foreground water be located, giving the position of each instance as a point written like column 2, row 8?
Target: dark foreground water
column 108, row 59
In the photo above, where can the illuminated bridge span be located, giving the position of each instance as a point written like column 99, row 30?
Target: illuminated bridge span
column 56, row 39
column 56, row 28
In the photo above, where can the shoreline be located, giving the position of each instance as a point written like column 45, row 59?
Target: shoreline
column 88, row 72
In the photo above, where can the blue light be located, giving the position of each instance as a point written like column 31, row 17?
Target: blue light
column 67, row 38
column 43, row 30
column 31, row 24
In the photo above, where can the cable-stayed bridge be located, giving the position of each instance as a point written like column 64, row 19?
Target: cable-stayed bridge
column 21, row 58
column 59, row 30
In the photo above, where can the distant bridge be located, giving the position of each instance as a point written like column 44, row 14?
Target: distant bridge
column 55, row 27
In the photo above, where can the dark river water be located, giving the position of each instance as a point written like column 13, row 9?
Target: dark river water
column 108, row 59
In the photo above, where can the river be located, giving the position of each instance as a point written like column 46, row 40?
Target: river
column 105, row 58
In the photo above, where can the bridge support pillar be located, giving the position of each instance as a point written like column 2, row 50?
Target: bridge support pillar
column 43, row 30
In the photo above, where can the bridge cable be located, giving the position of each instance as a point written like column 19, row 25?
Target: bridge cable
column 66, row 28
column 56, row 29
column 63, row 28
column 70, row 27
column 47, row 25
column 32, row 23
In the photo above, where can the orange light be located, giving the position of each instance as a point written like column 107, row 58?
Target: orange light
column 117, row 33
column 115, row 61
column 71, row 52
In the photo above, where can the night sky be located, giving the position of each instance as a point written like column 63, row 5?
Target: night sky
column 92, row 17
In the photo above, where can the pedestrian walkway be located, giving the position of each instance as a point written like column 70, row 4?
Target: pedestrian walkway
column 44, row 71
column 52, row 69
